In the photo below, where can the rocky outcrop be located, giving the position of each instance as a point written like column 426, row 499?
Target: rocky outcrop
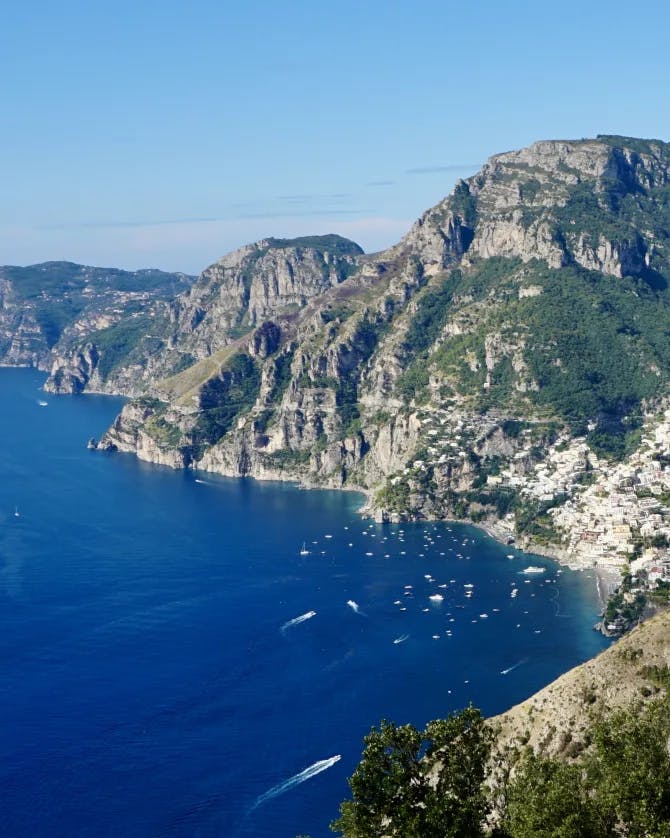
column 258, row 282
column 72, row 374
column 554, row 721
column 435, row 375
column 142, row 430
column 49, row 312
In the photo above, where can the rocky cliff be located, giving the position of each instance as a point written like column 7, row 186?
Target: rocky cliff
column 488, row 367
column 231, row 297
column 48, row 311
column 555, row 720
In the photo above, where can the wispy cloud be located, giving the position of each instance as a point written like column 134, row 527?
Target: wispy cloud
column 146, row 222
column 381, row 183
column 308, row 213
column 329, row 196
column 450, row 167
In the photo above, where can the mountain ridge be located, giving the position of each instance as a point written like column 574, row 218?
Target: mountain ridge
column 491, row 366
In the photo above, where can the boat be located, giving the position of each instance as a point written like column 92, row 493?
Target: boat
column 16, row 512
column 533, row 569
column 303, row 550
column 436, row 597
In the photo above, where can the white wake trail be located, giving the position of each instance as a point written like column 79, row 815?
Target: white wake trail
column 297, row 620
column 512, row 668
column 287, row 785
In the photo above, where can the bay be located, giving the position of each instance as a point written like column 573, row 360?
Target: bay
column 172, row 665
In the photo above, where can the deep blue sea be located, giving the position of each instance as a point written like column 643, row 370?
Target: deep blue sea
column 152, row 682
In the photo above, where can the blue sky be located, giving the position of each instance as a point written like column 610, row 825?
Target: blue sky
column 163, row 133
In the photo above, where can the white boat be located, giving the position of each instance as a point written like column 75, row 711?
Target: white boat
column 303, row 550
column 436, row 597
column 16, row 511
column 533, row 569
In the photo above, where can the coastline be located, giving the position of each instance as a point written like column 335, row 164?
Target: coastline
column 608, row 578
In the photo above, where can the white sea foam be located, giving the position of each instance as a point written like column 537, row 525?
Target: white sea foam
column 297, row 620
column 287, row 785
column 512, row 668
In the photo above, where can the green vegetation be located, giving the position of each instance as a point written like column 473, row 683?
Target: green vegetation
column 364, row 341
column 332, row 243
column 282, row 375
column 116, row 343
column 420, row 784
column 615, row 783
column 595, row 347
column 340, row 312
column 632, row 143
column 464, row 204
column 165, row 434
column 186, row 360
column 225, row 397
column 55, row 279
column 533, row 521
column 620, row 788
column 394, row 497
column 619, row 607
column 288, row 458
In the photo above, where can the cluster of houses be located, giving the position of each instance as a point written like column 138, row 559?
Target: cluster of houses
column 605, row 515
column 613, row 516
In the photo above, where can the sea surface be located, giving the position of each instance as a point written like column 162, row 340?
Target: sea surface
column 171, row 665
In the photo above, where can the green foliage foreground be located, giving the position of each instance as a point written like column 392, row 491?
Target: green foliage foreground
column 441, row 782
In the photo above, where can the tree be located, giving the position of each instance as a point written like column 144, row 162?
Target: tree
column 630, row 769
column 549, row 799
column 420, row 784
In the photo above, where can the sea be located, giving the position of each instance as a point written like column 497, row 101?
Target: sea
column 187, row 655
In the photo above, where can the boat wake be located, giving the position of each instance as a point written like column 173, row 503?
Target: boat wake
column 297, row 620
column 401, row 639
column 287, row 785
column 512, row 668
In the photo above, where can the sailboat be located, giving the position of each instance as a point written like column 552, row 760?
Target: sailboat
column 303, row 550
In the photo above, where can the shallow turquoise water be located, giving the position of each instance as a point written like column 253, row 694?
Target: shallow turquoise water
column 151, row 684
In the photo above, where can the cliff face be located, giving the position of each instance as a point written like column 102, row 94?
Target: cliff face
column 508, row 347
column 256, row 283
column 48, row 311
column 271, row 277
column 554, row 720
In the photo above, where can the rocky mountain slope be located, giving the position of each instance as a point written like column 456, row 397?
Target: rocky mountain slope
column 525, row 315
column 491, row 366
column 47, row 308
column 232, row 296
column 630, row 672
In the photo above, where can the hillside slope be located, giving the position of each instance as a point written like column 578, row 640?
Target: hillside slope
column 46, row 308
column 490, row 366
column 630, row 672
